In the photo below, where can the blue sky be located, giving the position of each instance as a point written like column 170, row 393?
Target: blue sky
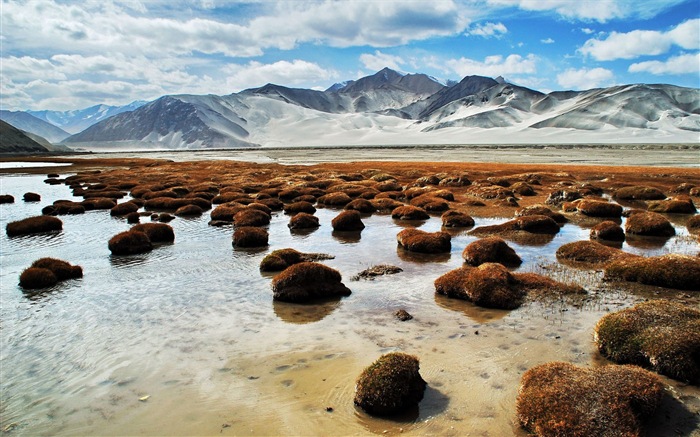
column 63, row 55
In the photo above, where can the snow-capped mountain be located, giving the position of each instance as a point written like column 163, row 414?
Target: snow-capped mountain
column 80, row 119
column 394, row 108
column 29, row 123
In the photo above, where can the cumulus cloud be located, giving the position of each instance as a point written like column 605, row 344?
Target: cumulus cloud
column 488, row 30
column 584, row 78
column 596, row 10
column 683, row 64
column 379, row 60
column 643, row 42
column 547, row 41
column 494, row 65
column 587, row 30
column 255, row 74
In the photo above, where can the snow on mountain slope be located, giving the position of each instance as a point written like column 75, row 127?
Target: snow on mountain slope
column 29, row 123
column 80, row 119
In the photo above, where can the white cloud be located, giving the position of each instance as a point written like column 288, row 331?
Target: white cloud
column 598, row 10
column 547, row 41
column 683, row 64
column 379, row 60
column 643, row 42
column 584, row 78
column 488, row 30
column 494, row 65
column 255, row 74
column 587, row 31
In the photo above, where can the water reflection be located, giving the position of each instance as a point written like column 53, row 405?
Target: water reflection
column 305, row 313
column 646, row 242
column 421, row 258
column 474, row 312
column 347, row 237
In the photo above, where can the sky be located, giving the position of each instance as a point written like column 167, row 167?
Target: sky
column 65, row 55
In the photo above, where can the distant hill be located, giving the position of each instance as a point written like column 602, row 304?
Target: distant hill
column 80, row 119
column 14, row 141
column 29, row 123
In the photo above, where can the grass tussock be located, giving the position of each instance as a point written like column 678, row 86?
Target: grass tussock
column 607, row 230
column 659, row 335
column 335, row 199
column 693, row 224
column 457, row 219
column 544, row 210
column 37, row 277
column 595, row 208
column 490, row 285
column 491, row 250
column 378, row 270
column 250, row 236
column 31, row 197
column 390, row 385
column 303, row 220
column 124, row 208
column 33, row 225
column 679, row 205
column 430, row 202
column 297, row 207
column 650, row 224
column 226, row 212
column 280, row 259
column 189, row 211
column 348, row 220
column 533, row 224
column 639, row 192
column 130, row 242
column 251, row 217
column 98, row 203
column 157, row 232
column 590, row 253
column 308, row 281
column 560, row 399
column 409, row 212
column 362, row 205
column 680, row 272
column 7, row 198
column 415, row 240
column 62, row 269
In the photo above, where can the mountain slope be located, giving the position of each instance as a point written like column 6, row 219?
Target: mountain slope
column 80, row 119
column 29, row 123
column 14, row 141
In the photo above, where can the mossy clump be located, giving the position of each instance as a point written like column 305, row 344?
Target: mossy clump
column 639, row 193
column 693, row 224
column 62, row 269
column 33, row 225
column 660, row 335
column 133, row 218
column 409, row 212
column 280, row 259
column 607, row 230
column 297, row 207
column 415, row 240
column 189, row 211
column 591, row 253
column 457, row 219
column 7, row 198
column 64, row 207
column 335, row 199
column 303, row 220
column 390, row 385
column 541, row 210
column 31, row 197
column 98, row 203
column 490, row 285
column 226, row 212
column 37, row 277
column 308, row 281
column 430, row 202
column 385, row 203
column 157, row 232
column 251, row 217
column 561, row 399
column 378, row 270
column 680, row 272
column 679, row 205
column 250, row 236
column 533, row 224
column 490, row 250
column 348, row 220
column 598, row 208
column 124, row 208
column 649, row 224
column 362, row 205
column 130, row 242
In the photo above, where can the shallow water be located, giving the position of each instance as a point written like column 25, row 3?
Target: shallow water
column 186, row 340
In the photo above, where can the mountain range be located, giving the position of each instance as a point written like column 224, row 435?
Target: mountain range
column 389, row 107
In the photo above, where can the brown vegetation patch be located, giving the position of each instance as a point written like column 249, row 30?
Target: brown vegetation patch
column 335, row 199
column 362, row 205
column 189, row 211
column 590, row 253
column 540, row 209
column 430, row 203
column 303, row 220
column 415, row 240
column 307, row 281
column 62, row 269
column 31, row 197
column 250, row 236
column 390, row 385
column 280, row 259
column 558, row 197
column 385, row 204
column 457, row 219
column 639, row 192
column 378, row 270
column 597, row 208
column 560, row 399
column 409, row 212
column 348, row 220
column 7, row 198
column 679, row 205
column 660, row 335
column 297, row 207
column 129, row 243
column 157, row 232
column 490, row 285
column 649, row 223
column 123, row 209
column 226, row 212
column 607, row 230
column 534, row 224
column 693, row 224
column 37, row 277
column 98, row 203
column 671, row 271
column 403, row 315
column 33, row 225
column 490, row 250
column 251, row 217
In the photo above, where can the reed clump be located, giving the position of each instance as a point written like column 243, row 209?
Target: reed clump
column 33, row 225
column 307, row 281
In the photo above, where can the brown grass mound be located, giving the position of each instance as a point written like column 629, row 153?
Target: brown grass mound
column 385, row 204
column 457, row 219
column 280, row 259
column 172, row 204
column 560, row 399
column 37, row 277
column 561, row 196
column 303, row 220
column 639, row 193
column 7, row 198
column 597, row 208
column 591, row 253
column 490, row 285
column 541, row 210
column 607, row 230
column 250, row 236
column 31, row 197
column 98, row 203
column 671, row 271
column 650, row 224
column 431, row 203
column 361, row 205
column 226, row 212
column 129, row 243
column 62, row 269
column 251, row 217
column 415, row 240
column 189, row 211
column 297, row 207
column 534, row 224
column 123, row 209
column 660, row 335
column 335, row 199
column 523, row 189
column 308, row 281
column 673, row 206
column 409, row 212
column 490, row 250
column 348, row 220
column 33, row 225
column 64, row 207
column 133, row 218
column 693, row 224
column 390, row 385
column 157, row 232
